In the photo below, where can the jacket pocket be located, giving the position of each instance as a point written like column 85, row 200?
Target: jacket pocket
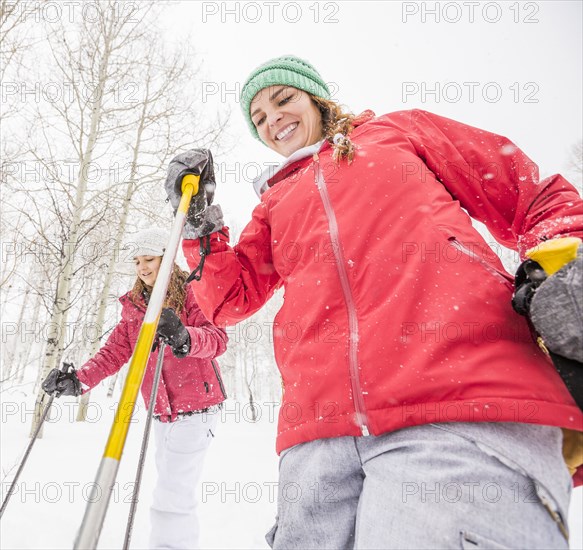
column 473, row 541
column 502, row 276
column 547, row 497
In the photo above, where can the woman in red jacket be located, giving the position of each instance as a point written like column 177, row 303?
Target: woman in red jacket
column 417, row 411
column 190, row 392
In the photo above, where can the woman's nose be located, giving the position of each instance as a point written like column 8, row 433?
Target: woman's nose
column 274, row 117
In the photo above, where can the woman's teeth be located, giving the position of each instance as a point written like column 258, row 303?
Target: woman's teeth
column 286, row 130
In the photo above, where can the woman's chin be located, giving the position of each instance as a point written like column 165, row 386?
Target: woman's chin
column 288, row 149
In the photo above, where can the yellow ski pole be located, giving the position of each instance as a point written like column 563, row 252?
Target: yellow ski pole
column 88, row 535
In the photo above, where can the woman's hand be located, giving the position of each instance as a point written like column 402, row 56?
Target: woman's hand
column 62, row 383
column 171, row 329
column 198, row 162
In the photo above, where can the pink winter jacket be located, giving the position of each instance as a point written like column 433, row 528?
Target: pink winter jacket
column 396, row 311
column 188, row 384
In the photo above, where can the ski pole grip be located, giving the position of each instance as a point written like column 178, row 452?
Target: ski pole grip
column 554, row 254
column 189, row 187
column 190, row 180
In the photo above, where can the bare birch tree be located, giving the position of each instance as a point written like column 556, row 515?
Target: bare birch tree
column 164, row 123
column 91, row 62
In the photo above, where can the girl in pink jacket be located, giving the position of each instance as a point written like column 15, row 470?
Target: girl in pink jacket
column 190, row 392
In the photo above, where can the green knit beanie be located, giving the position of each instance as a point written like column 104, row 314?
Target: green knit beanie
column 287, row 70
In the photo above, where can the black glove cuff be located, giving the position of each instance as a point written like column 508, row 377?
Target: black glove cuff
column 77, row 382
column 182, row 351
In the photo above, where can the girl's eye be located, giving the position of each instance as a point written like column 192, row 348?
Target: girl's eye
column 284, row 100
column 258, row 122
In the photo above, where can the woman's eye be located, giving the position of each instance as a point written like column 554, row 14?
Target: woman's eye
column 285, row 100
column 259, row 121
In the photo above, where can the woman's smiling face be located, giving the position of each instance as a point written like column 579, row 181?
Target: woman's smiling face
column 147, row 268
column 286, row 119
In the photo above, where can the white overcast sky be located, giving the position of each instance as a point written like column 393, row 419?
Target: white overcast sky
column 527, row 53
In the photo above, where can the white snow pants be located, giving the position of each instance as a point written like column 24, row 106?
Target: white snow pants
column 180, row 452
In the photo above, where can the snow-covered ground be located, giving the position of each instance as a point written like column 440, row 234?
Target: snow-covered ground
column 238, row 491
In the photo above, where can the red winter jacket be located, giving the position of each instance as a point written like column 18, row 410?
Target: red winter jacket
column 396, row 311
column 188, row 384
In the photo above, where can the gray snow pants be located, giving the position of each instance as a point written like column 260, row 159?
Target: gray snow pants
column 448, row 485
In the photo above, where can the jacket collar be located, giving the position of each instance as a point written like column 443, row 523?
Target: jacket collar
column 265, row 180
column 273, row 174
column 126, row 299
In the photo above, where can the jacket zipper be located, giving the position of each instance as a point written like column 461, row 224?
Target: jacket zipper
column 219, row 378
column 468, row 252
column 359, row 405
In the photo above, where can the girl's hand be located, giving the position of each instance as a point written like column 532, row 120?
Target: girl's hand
column 171, row 329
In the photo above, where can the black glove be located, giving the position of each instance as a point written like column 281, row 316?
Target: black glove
column 198, row 162
column 554, row 307
column 62, row 383
column 171, row 329
column 529, row 277
column 556, row 310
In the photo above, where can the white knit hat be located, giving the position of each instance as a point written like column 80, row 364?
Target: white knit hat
column 148, row 242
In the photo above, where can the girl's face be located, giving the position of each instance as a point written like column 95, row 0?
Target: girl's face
column 286, row 119
column 147, row 268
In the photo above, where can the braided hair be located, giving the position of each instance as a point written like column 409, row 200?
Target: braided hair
column 336, row 127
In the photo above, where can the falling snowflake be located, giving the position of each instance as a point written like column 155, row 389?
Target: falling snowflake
column 508, row 149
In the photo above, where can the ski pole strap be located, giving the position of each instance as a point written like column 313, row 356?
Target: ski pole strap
column 205, row 250
column 64, row 368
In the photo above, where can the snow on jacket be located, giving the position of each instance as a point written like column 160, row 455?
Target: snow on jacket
column 188, row 384
column 396, row 312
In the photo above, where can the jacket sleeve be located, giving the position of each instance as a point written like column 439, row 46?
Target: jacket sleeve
column 206, row 340
column 112, row 356
column 494, row 180
column 236, row 281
